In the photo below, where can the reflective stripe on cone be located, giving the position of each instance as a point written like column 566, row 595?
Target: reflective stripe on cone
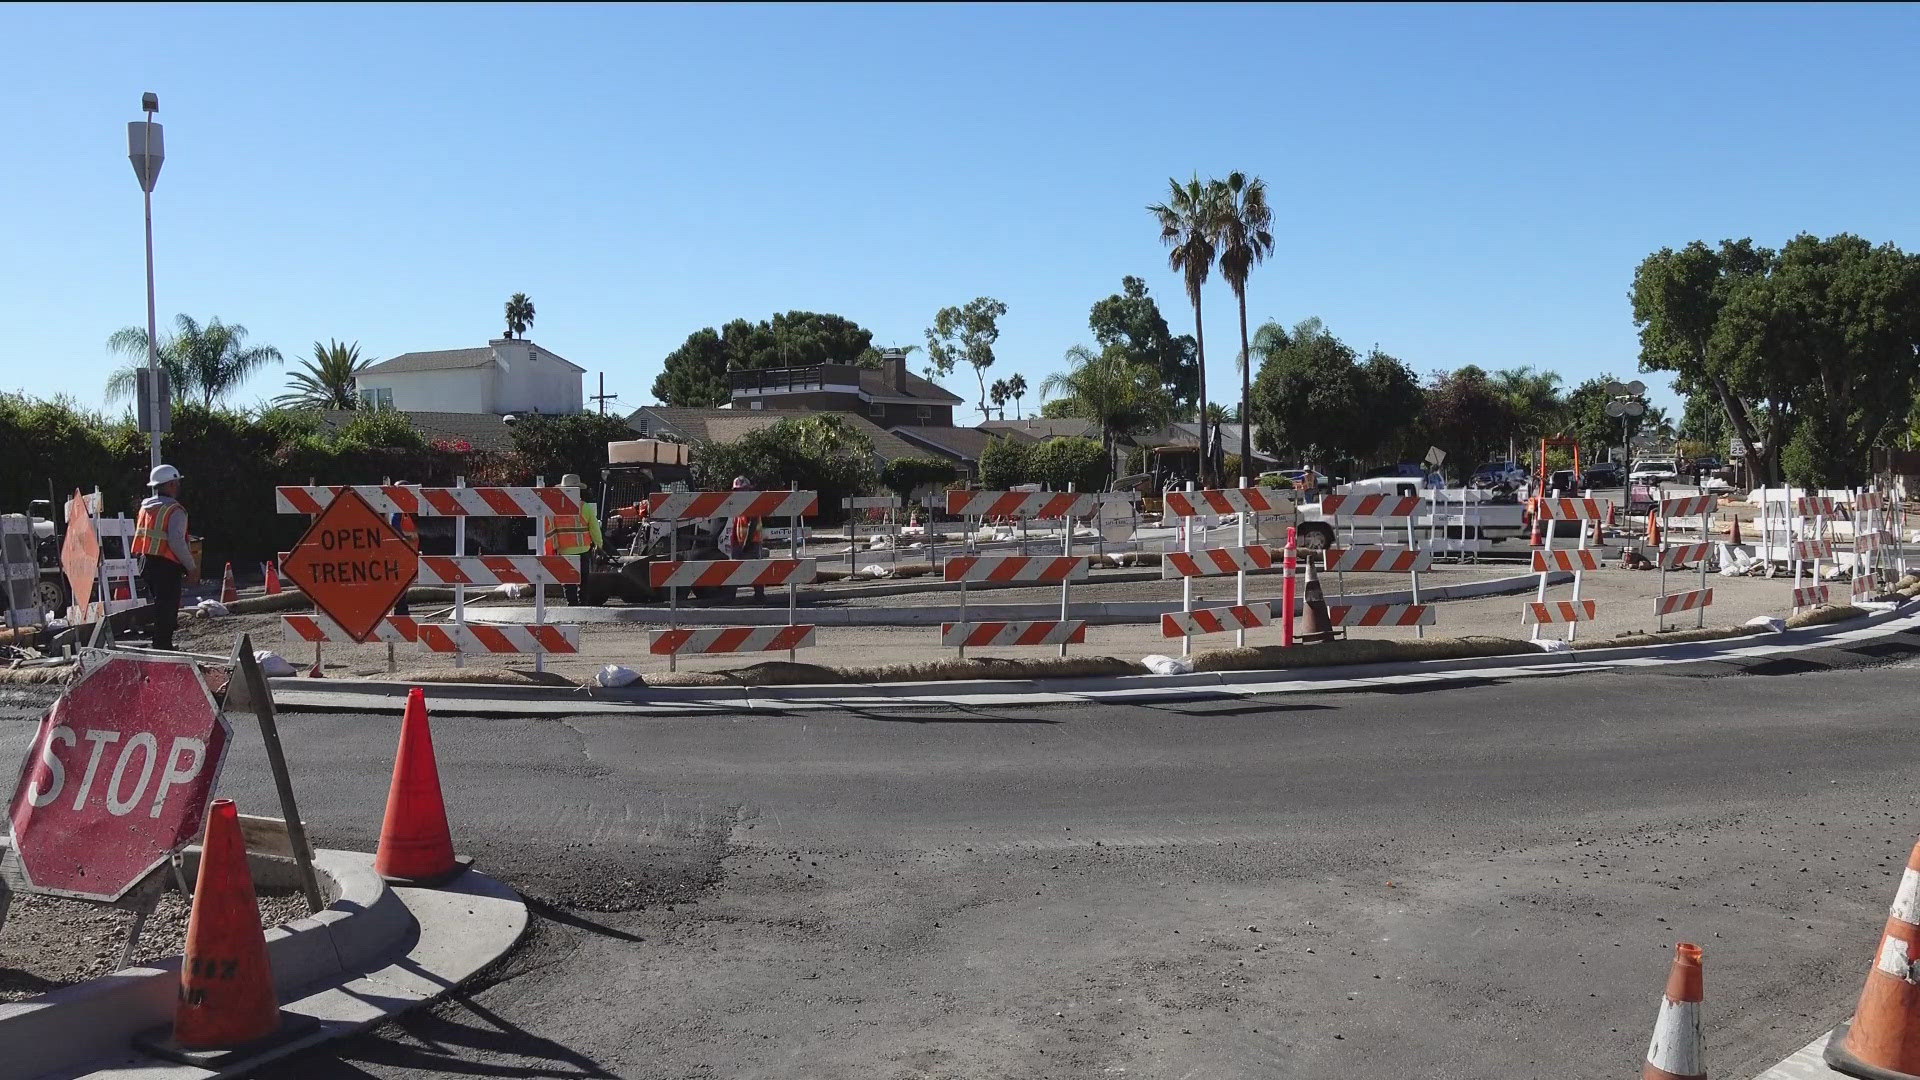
column 1674, row 1053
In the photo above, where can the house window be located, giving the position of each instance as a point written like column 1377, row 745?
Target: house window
column 924, row 412
column 875, row 408
column 377, row 397
column 756, row 403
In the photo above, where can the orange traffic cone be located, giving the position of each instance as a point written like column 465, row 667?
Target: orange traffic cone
column 415, row 846
column 1735, row 538
column 1883, row 1038
column 272, row 571
column 226, row 983
column 1653, row 531
column 121, row 591
column 229, row 592
column 1674, row 1053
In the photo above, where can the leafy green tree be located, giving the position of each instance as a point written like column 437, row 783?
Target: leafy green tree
column 553, row 446
column 1466, row 415
column 1533, row 401
column 965, row 335
column 1120, row 394
column 1818, row 339
column 1190, row 222
column 906, row 475
column 1069, row 462
column 1703, row 421
column 327, row 380
column 519, row 315
column 818, row 452
column 1678, row 298
column 212, row 360
column 1308, row 397
column 1131, row 320
column 694, row 376
column 1246, row 239
column 1387, row 427
column 1004, row 463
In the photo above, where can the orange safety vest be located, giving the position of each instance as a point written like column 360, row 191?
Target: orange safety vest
column 567, row 534
column 746, row 532
column 409, row 529
column 150, row 530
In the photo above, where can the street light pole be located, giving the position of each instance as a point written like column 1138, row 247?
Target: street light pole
column 146, row 148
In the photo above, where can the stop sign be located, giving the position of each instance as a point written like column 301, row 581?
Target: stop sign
column 117, row 778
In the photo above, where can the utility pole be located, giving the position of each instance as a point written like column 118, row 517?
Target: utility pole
column 603, row 397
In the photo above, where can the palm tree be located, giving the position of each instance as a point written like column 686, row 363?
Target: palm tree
column 1017, row 389
column 327, row 380
column 1246, row 239
column 1532, row 398
column 1189, row 226
column 212, row 360
column 1220, row 414
column 519, row 315
column 998, row 393
column 1119, row 394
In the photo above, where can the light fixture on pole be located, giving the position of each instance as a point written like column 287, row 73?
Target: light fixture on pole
column 1626, row 400
column 146, row 148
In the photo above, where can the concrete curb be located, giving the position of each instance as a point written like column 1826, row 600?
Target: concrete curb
column 1097, row 613
column 296, row 694
column 372, row 953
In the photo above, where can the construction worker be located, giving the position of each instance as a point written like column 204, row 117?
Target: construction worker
column 166, row 559
column 409, row 530
column 742, row 537
column 574, row 534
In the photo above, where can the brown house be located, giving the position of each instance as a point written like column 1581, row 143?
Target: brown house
column 890, row 396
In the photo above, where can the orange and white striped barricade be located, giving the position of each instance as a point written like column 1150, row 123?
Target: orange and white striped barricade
column 987, row 634
column 490, row 570
column 1814, row 544
column 460, row 502
column 1034, row 569
column 505, row 638
column 1872, row 543
column 1672, row 556
column 1414, row 615
column 1246, row 504
column 1020, row 507
column 675, row 575
column 1806, row 596
column 1546, row 561
column 315, row 628
column 710, row 640
column 1384, row 512
column 853, row 506
column 1215, row 620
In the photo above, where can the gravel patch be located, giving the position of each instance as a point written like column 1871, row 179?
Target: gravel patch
column 51, row 941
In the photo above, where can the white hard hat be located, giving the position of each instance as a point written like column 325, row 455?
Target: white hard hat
column 572, row 479
column 162, row 474
column 741, row 483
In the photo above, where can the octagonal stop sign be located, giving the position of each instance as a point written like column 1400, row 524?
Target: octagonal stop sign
column 117, row 777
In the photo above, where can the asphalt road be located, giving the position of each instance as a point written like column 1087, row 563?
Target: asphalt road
column 1481, row 881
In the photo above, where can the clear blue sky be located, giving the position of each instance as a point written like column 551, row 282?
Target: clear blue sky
column 1459, row 185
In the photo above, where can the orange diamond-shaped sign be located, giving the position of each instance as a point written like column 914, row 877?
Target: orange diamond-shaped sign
column 353, row 564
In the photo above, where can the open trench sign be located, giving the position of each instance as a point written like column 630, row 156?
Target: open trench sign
column 353, row 564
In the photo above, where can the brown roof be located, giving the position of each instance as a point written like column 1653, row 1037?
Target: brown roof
column 727, row 425
column 956, row 442
column 1035, row 429
column 879, row 382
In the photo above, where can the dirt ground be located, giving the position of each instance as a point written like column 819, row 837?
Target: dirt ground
column 50, row 941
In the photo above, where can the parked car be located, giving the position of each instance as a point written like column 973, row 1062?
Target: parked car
column 1406, row 468
column 1562, row 481
column 1653, row 471
column 1605, row 474
column 1498, row 472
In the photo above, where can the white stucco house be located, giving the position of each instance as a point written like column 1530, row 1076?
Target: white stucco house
column 507, row 376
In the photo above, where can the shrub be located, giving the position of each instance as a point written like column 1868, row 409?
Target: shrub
column 1068, row 462
column 904, row 476
column 1004, row 463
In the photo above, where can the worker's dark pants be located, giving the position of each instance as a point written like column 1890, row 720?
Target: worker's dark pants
column 164, row 577
column 573, row 591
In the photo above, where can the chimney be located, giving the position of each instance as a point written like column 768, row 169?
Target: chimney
column 896, row 368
